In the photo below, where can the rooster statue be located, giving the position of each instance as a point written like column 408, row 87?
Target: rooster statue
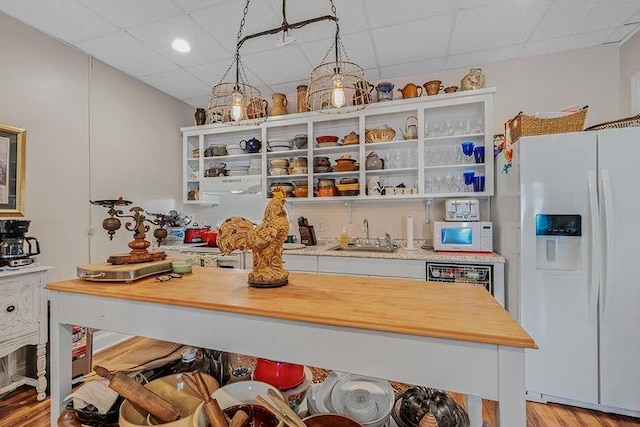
column 265, row 241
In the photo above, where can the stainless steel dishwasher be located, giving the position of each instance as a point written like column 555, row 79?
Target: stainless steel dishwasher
column 461, row 273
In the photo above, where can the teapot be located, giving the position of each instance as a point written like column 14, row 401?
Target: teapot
column 410, row 131
column 374, row 162
column 252, row 145
column 411, row 91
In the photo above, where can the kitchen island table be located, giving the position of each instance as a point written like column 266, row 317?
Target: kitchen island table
column 454, row 337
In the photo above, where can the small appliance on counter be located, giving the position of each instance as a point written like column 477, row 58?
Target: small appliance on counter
column 469, row 236
column 16, row 249
column 462, row 210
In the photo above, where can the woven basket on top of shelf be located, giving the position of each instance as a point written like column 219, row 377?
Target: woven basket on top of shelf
column 524, row 125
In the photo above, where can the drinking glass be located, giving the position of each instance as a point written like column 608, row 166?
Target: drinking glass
column 478, row 154
column 478, row 183
column 467, row 149
column 468, row 177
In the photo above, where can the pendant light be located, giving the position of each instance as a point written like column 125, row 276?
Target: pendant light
column 235, row 102
column 337, row 86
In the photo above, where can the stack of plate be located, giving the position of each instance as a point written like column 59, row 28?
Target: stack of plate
column 239, row 170
column 366, row 399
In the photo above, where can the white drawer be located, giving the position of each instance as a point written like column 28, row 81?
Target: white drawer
column 382, row 267
column 300, row 263
column 19, row 306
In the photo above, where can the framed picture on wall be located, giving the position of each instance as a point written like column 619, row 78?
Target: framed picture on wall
column 12, row 163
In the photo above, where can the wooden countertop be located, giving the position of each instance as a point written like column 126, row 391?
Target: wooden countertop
column 451, row 311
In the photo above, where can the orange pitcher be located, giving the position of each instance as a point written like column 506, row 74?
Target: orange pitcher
column 410, row 91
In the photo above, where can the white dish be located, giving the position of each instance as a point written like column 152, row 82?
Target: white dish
column 280, row 148
column 323, row 394
column 289, row 246
column 327, row 144
column 380, row 391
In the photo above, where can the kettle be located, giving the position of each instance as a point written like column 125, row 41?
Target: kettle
column 410, row 131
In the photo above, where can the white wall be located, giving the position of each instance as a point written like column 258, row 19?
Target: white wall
column 629, row 68
column 133, row 148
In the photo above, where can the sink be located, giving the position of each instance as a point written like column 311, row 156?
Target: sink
column 364, row 248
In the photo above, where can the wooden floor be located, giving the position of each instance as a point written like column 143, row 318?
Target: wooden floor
column 21, row 409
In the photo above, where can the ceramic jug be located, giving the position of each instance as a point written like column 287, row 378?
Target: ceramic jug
column 473, row 80
column 279, row 106
column 362, row 93
column 257, row 108
column 410, row 91
column 302, row 106
column 385, row 91
column 200, row 116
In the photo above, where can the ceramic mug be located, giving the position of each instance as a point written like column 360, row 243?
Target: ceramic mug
column 433, row 87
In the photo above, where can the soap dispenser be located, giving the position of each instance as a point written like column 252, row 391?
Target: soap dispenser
column 344, row 237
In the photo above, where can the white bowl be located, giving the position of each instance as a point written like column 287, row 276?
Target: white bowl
column 380, row 391
column 238, row 393
column 232, row 151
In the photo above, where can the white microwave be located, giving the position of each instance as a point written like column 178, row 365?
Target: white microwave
column 474, row 236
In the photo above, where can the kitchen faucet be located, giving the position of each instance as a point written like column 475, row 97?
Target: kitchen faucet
column 365, row 228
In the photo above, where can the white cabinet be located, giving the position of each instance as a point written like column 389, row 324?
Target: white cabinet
column 300, row 263
column 23, row 321
column 432, row 165
column 380, row 267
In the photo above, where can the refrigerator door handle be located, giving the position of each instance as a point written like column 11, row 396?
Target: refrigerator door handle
column 607, row 284
column 594, row 289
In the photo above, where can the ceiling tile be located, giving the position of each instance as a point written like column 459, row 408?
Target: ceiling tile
column 198, row 101
column 282, row 65
column 411, row 68
column 484, row 56
column 189, row 5
column 159, row 35
column 428, row 40
column 212, row 73
column 469, row 4
column 124, row 52
column 127, row 13
column 562, row 44
column 65, row 19
column 581, row 16
column 487, row 27
column 222, row 22
column 619, row 34
column 177, row 83
column 359, row 49
column 381, row 13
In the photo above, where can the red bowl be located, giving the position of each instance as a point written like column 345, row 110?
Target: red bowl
column 327, row 138
column 282, row 375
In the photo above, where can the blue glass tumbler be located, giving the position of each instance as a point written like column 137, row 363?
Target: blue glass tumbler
column 478, row 183
column 478, row 154
column 468, row 177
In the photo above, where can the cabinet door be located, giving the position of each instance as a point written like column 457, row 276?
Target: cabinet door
column 19, row 306
column 620, row 294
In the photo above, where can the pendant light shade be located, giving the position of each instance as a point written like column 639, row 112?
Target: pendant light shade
column 337, row 86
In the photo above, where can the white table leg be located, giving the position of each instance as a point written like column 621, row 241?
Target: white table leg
column 60, row 379
column 511, row 408
column 474, row 409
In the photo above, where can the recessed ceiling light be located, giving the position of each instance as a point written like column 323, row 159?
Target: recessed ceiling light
column 181, row 45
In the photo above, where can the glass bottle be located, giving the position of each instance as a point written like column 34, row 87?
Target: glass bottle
column 302, row 99
column 191, row 361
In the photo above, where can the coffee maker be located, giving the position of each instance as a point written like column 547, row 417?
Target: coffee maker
column 16, row 249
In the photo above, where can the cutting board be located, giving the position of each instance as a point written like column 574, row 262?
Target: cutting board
column 122, row 273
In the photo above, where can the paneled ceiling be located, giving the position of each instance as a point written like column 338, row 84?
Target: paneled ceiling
column 388, row 38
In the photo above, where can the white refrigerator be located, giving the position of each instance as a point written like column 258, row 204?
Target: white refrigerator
column 567, row 218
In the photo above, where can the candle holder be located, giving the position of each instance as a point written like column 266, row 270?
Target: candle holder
column 138, row 245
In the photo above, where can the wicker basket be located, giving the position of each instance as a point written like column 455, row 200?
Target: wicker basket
column 380, row 134
column 523, row 125
column 627, row 122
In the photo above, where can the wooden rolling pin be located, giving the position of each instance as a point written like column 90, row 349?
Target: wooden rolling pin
column 143, row 397
column 212, row 410
column 240, row 419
